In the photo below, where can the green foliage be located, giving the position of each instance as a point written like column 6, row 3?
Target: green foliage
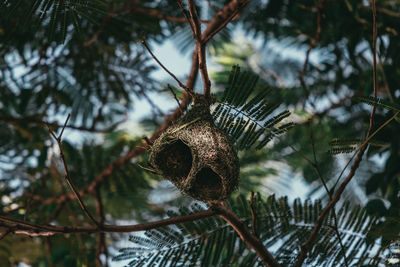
column 247, row 118
column 281, row 226
column 54, row 16
column 49, row 69
column 343, row 146
column 378, row 102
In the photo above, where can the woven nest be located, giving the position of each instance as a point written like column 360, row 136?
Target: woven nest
column 197, row 156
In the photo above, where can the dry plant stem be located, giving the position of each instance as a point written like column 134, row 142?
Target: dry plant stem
column 185, row 14
column 175, row 97
column 200, row 47
column 223, row 25
column 54, row 125
column 387, row 89
column 31, row 229
column 222, row 18
column 6, row 232
column 67, row 177
column 313, row 43
column 354, row 167
column 335, row 220
column 244, row 234
column 101, row 240
column 162, row 66
column 253, row 214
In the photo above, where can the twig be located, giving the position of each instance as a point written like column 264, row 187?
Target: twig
column 318, row 171
column 185, row 13
column 67, row 177
column 35, row 120
column 176, row 98
column 55, row 213
column 244, row 234
column 356, row 163
column 374, row 34
column 253, row 214
column 223, row 17
column 200, row 47
column 387, row 89
column 5, row 233
column 162, row 66
column 31, row 229
column 223, row 25
column 101, row 240
column 313, row 43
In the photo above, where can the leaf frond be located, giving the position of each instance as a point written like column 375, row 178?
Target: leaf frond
column 247, row 116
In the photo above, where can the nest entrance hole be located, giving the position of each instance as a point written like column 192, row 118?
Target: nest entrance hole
column 208, row 184
column 175, row 159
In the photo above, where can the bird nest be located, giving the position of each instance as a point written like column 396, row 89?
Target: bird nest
column 197, row 156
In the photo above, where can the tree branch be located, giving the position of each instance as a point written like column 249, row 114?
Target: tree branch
column 101, row 238
column 31, row 229
column 200, row 47
column 222, row 18
column 162, row 66
column 253, row 214
column 244, row 234
column 54, row 125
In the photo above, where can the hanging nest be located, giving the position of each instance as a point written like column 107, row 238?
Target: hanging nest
column 197, row 156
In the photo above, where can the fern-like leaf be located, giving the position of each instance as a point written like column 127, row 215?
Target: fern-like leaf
column 377, row 102
column 247, row 117
column 54, row 15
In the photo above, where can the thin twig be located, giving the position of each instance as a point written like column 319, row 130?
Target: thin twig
column 223, row 25
column 385, row 81
column 67, row 176
column 253, row 214
column 185, row 13
column 223, row 17
column 318, row 171
column 200, row 47
column 356, row 163
column 317, row 36
column 175, row 97
column 35, row 120
column 101, row 239
column 5, row 233
column 32, row 229
column 162, row 66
